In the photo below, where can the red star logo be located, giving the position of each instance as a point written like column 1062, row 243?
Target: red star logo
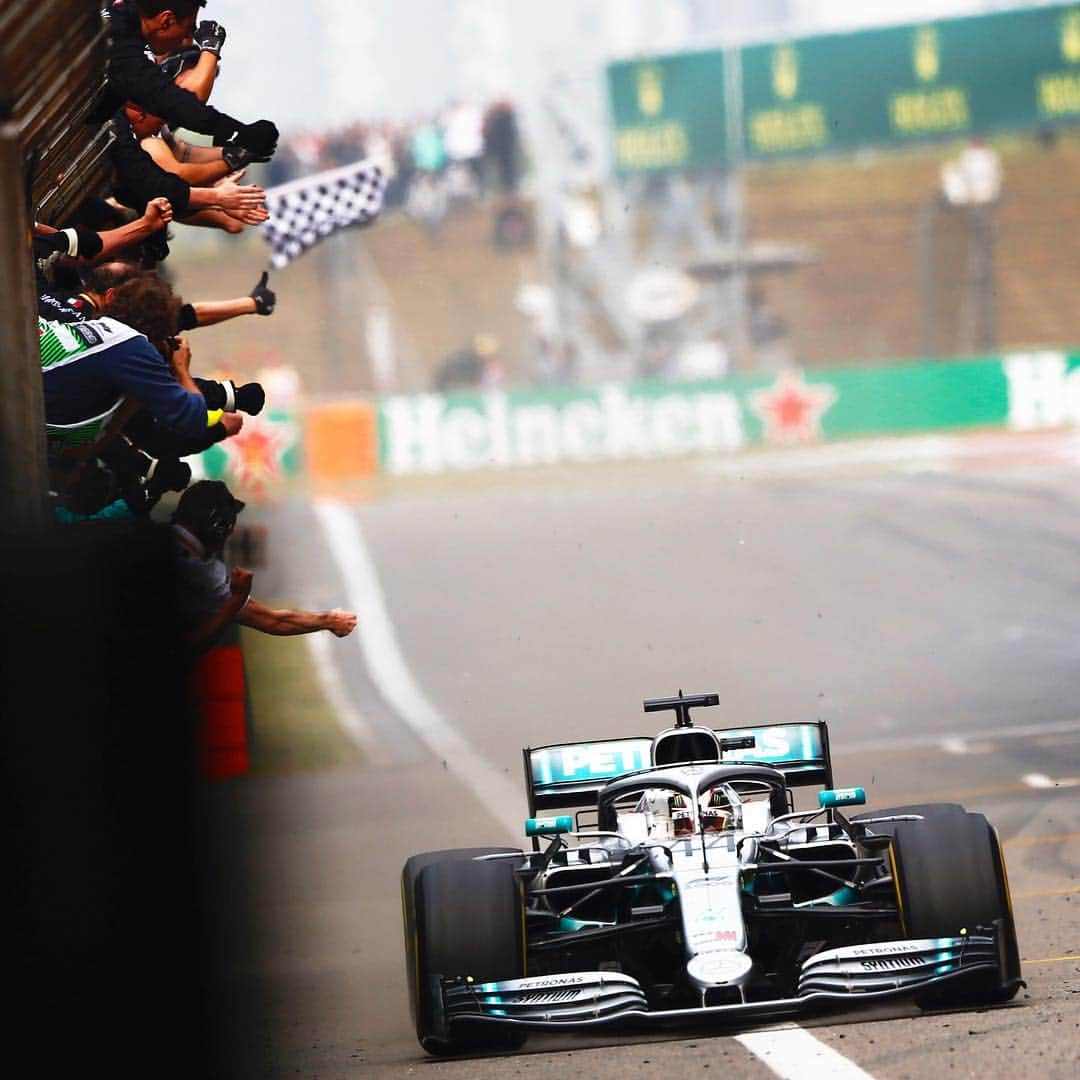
column 791, row 409
column 255, row 452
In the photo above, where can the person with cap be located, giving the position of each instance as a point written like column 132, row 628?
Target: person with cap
column 210, row 596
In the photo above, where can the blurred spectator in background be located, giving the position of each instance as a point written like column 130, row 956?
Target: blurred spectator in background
column 346, row 146
column 463, row 134
column 502, row 145
column 475, row 367
column 427, row 148
column 426, row 203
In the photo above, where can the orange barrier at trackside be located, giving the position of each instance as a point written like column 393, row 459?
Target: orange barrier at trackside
column 342, row 441
column 222, row 736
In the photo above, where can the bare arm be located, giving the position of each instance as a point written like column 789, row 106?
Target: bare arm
column 199, row 78
column 157, row 215
column 198, row 174
column 227, row 195
column 284, row 622
column 208, row 312
column 198, row 155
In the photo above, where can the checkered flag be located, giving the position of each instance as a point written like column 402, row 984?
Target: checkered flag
column 305, row 211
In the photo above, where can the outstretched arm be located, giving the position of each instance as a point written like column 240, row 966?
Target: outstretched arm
column 260, row 301
column 284, row 622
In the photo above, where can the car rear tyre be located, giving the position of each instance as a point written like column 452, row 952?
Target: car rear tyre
column 951, row 879
column 467, row 920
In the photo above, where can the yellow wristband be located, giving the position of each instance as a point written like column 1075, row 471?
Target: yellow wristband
column 213, row 416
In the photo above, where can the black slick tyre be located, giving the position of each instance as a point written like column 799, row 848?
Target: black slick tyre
column 951, row 879
column 409, row 875
column 923, row 810
column 468, row 921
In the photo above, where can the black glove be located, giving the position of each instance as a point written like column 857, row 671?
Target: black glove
column 210, row 36
column 178, row 61
column 168, row 474
column 264, row 298
column 236, row 157
column 260, row 138
column 250, row 398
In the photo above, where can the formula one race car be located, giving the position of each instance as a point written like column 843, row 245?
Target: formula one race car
column 687, row 885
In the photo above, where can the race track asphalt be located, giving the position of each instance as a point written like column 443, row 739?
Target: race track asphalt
column 932, row 617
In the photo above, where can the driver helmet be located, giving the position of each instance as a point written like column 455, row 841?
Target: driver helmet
column 714, row 815
column 682, row 817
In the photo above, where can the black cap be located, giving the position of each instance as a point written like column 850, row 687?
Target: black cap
column 206, row 496
column 210, row 509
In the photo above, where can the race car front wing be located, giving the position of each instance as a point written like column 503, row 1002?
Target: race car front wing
column 589, row 998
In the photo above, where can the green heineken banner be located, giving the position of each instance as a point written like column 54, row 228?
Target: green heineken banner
column 953, row 77
column 431, row 433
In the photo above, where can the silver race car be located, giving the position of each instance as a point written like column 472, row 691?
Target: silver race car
column 681, row 882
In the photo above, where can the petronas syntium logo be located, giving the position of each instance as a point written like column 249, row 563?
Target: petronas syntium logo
column 1070, row 36
column 785, row 72
column 650, row 89
column 926, row 57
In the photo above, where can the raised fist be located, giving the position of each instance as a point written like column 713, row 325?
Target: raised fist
column 264, row 298
column 210, row 36
column 259, row 138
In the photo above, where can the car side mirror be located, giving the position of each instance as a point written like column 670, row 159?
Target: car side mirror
column 850, row 796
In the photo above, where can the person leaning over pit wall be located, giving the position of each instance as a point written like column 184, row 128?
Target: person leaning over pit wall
column 152, row 93
column 140, row 179
column 144, row 453
column 210, row 596
column 165, row 26
column 196, row 166
column 95, row 370
column 82, row 242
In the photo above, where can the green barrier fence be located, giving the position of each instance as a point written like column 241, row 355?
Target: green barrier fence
column 431, row 433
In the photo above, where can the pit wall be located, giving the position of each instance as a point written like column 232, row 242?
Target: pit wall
column 428, row 434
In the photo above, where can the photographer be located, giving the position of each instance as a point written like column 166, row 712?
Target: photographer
column 91, row 369
column 211, row 597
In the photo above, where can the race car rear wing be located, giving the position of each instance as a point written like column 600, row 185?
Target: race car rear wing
column 570, row 774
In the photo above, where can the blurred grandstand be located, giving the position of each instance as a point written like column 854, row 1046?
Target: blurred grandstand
column 836, row 252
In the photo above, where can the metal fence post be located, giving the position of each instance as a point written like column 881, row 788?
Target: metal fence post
column 23, row 470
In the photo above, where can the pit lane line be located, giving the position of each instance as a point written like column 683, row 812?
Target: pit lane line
column 790, row 1052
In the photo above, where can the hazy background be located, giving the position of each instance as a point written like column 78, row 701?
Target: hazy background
column 325, row 63
column 386, row 308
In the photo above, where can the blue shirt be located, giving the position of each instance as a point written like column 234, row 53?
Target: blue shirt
column 87, row 367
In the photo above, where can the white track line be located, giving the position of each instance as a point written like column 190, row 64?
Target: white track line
column 793, row 1053
column 789, row 1052
column 391, row 675
column 1041, row 780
